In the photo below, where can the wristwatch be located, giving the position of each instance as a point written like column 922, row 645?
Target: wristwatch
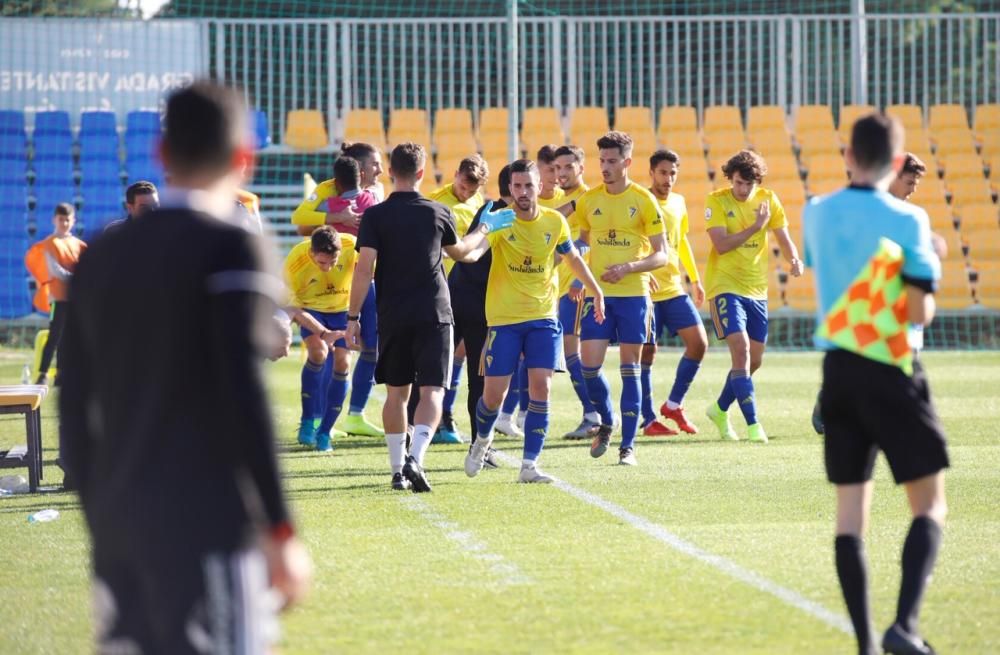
column 356, row 317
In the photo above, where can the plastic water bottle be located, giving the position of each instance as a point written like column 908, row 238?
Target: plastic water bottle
column 26, row 375
column 44, row 516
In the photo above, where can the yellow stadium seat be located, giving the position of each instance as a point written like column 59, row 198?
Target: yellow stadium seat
column 955, row 245
column 452, row 120
column 911, row 116
column 987, row 118
column 969, row 192
column 988, row 283
column 953, row 139
column 991, row 143
column 722, row 118
column 457, row 145
column 592, row 171
column 542, row 125
column 493, row 119
column 680, row 118
column 981, row 216
column 813, row 144
column 954, row 291
column 306, row 130
column 814, row 118
column 800, row 292
column 789, row 192
column 775, row 297
column 948, row 117
column 409, row 125
column 963, row 166
column 768, row 141
column 364, row 125
column 993, row 163
column 917, row 142
column 634, row 119
column 783, row 167
column 447, row 165
column 586, row 122
column 984, row 245
column 725, row 144
column 643, row 140
column 848, row 115
column 495, row 165
column 825, row 186
column 827, row 167
column 940, row 212
column 493, row 144
column 689, row 142
column 766, row 118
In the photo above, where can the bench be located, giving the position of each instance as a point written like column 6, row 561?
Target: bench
column 25, row 399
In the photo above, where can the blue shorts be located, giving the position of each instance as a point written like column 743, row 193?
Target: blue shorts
column 673, row 315
column 732, row 313
column 570, row 314
column 369, row 321
column 626, row 320
column 540, row 341
column 329, row 320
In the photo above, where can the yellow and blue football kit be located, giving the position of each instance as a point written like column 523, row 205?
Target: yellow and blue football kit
column 463, row 212
column 672, row 307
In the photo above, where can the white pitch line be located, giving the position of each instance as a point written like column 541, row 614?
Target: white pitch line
column 507, row 572
column 722, row 564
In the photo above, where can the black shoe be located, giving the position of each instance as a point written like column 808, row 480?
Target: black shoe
column 490, row 461
column 601, row 441
column 415, row 474
column 900, row 642
column 399, row 483
column 817, row 417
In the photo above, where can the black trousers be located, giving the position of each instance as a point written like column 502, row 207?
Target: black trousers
column 59, row 311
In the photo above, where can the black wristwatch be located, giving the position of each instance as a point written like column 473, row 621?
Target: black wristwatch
column 353, row 318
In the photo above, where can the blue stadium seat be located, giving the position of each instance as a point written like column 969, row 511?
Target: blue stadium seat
column 13, row 170
column 53, row 146
column 15, row 298
column 53, row 171
column 141, row 146
column 47, row 196
column 261, row 130
column 143, row 122
column 100, row 171
column 13, row 145
column 103, row 196
column 52, row 122
column 14, row 195
column 98, row 122
column 145, row 169
column 11, row 121
column 98, row 146
column 13, row 223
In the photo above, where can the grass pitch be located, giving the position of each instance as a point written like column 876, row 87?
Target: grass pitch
column 490, row 566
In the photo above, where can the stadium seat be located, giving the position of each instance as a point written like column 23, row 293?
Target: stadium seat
column 141, row 146
column 98, row 122
column 634, row 120
column 953, row 142
column 102, row 194
column 820, row 142
column 721, row 118
column 940, row 212
column 52, row 122
column 100, row 171
column 588, row 124
column 984, row 245
column 987, row 285
column 954, row 291
column 993, row 163
column 969, row 192
column 53, row 171
column 813, row 118
column 725, row 144
column 947, row 117
column 541, row 125
column 13, row 145
column 261, row 129
column 800, row 292
column 848, row 115
column 770, row 141
column 15, row 299
column 494, row 144
column 987, row 119
column 493, row 119
column 13, row 223
column 452, row 121
column 981, row 216
column 825, row 186
column 409, row 125
column 53, row 146
column 306, row 130
column 14, row 195
column 11, row 121
column 99, row 146
column 143, row 122
column 789, row 192
column 990, row 142
column 683, row 142
column 456, row 145
column 783, row 167
column 13, row 170
column 675, row 119
column 827, row 167
column 911, row 116
column 963, row 166
column 592, row 171
column 145, row 169
column 766, row 118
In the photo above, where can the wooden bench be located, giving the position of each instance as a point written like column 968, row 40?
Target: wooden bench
column 25, row 399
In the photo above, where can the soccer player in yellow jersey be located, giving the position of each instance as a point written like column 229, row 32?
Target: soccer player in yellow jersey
column 673, row 309
column 318, row 275
column 550, row 195
column 521, row 307
column 569, row 175
column 464, row 197
column 738, row 220
column 622, row 223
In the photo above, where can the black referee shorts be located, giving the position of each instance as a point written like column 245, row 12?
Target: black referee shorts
column 415, row 354
column 868, row 406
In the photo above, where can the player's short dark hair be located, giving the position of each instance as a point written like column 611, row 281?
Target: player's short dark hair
column 325, row 240
column 406, row 159
column 358, row 150
column 523, row 166
column 875, row 138
column 140, row 188
column 547, row 153
column 205, row 124
column 474, row 169
column 616, row 139
column 347, row 173
column 576, row 152
column 664, row 155
column 64, row 209
column 503, row 181
column 913, row 164
column 749, row 164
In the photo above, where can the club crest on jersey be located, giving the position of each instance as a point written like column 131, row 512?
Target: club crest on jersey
column 527, row 261
column 526, row 266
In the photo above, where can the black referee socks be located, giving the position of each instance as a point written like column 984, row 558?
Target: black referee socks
column 852, row 570
column 919, row 554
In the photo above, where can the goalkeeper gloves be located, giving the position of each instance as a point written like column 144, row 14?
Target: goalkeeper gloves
column 498, row 220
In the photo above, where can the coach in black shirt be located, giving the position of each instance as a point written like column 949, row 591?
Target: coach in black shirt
column 165, row 423
column 406, row 234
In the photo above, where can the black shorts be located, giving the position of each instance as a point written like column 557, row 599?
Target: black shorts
column 213, row 602
column 420, row 354
column 868, row 406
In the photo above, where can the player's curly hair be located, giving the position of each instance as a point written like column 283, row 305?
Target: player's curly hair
column 616, row 139
column 749, row 164
column 474, row 169
column 347, row 173
column 913, row 164
column 325, row 240
column 664, row 155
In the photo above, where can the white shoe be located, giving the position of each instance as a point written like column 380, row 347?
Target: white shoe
column 506, row 425
column 476, row 458
column 626, row 457
column 532, row 475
